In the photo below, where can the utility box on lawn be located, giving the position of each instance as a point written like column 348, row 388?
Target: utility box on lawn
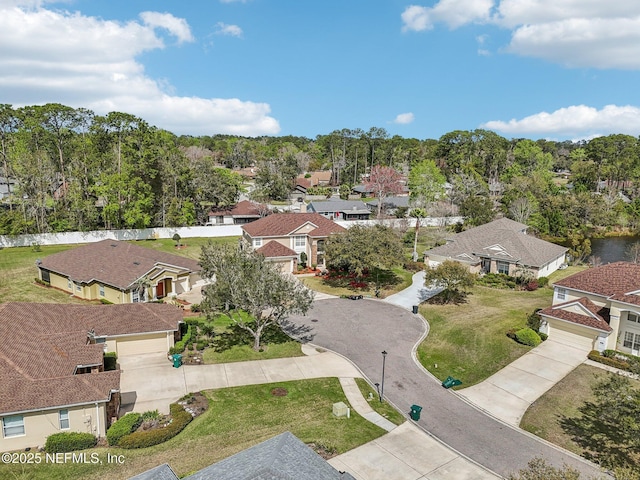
column 451, row 382
column 340, row 409
column 415, row 412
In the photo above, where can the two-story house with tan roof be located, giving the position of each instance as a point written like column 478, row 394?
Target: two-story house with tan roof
column 283, row 237
column 52, row 364
column 119, row 272
column 598, row 308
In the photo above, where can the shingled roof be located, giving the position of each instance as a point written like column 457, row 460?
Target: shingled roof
column 242, row 209
column 503, row 239
column 283, row 457
column 614, row 280
column 43, row 344
column 591, row 315
column 284, row 224
column 114, row 263
column 345, row 206
column 275, row 249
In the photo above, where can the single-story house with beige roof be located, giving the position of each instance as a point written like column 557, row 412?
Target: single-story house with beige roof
column 119, row 272
column 501, row 246
column 597, row 309
column 293, row 234
column 52, row 364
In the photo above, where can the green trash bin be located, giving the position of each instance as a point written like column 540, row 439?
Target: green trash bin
column 177, row 360
column 415, row 412
column 451, row 382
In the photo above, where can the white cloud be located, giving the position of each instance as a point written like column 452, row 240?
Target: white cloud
column 82, row 61
column 575, row 121
column 575, row 33
column 404, row 118
column 224, row 29
column 454, row 13
column 176, row 26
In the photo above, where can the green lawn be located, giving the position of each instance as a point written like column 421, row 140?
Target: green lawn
column 469, row 340
column 237, row 418
column 397, row 279
column 384, row 409
column 544, row 417
column 243, row 353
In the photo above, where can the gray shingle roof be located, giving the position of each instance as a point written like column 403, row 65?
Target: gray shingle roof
column 391, row 202
column 502, row 239
column 283, row 457
column 161, row 472
column 331, row 206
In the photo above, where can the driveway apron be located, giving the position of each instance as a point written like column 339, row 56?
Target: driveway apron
column 361, row 330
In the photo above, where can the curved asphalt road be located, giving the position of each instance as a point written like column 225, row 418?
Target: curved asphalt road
column 361, row 330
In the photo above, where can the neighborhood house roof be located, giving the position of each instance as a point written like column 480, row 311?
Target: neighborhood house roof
column 391, row 202
column 43, row 344
column 618, row 281
column 582, row 311
column 283, row 457
column 276, row 249
column 501, row 239
column 346, row 206
column 245, row 208
column 284, row 224
column 115, row 263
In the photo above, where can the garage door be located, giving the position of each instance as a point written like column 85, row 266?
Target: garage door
column 572, row 335
column 152, row 343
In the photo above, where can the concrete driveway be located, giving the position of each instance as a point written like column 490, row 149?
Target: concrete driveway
column 150, row 382
column 509, row 392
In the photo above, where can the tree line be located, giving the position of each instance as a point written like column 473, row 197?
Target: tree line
column 66, row 168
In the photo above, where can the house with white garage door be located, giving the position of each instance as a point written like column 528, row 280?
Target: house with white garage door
column 598, row 308
column 52, row 368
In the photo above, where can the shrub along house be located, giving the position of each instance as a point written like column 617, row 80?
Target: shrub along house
column 119, row 272
column 52, row 364
column 598, row 308
column 501, row 246
column 283, row 238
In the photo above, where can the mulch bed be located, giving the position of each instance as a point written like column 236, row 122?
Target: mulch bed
column 279, row 392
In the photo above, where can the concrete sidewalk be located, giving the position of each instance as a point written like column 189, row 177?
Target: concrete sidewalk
column 415, row 294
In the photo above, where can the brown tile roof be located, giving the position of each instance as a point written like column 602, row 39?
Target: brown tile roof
column 611, row 280
column 283, row 224
column 276, row 249
column 509, row 243
column 245, row 208
column 44, row 343
column 595, row 316
column 115, row 263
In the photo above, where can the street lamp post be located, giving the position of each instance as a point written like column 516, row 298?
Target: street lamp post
column 384, row 358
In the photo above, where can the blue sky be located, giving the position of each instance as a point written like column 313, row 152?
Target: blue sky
column 557, row 69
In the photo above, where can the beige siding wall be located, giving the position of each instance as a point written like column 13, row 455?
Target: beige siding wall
column 39, row 425
column 139, row 344
column 571, row 295
column 58, row 281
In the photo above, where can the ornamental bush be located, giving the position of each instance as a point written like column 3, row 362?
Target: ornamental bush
column 110, row 361
column 526, row 336
column 124, row 426
column 612, row 361
column 179, row 419
column 69, row 441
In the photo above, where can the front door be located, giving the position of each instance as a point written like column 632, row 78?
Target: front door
column 160, row 289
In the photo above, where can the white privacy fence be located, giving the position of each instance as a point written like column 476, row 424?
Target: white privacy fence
column 69, row 238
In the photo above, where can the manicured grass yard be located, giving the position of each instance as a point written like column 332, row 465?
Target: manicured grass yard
column 384, row 409
column 469, row 340
column 401, row 280
column 243, row 353
column 237, row 418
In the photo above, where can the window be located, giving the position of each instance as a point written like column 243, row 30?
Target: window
column 257, row 242
column 69, row 284
column 561, row 294
column 64, row 419
column 632, row 340
column 13, row 426
column 79, row 287
column 299, row 241
column 45, row 276
column 503, row 267
column 135, row 296
column 101, row 290
column 632, row 317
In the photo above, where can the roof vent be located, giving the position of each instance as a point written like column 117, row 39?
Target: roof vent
column 113, row 245
column 136, row 263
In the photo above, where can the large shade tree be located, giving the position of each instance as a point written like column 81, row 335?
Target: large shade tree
column 363, row 248
column 245, row 283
